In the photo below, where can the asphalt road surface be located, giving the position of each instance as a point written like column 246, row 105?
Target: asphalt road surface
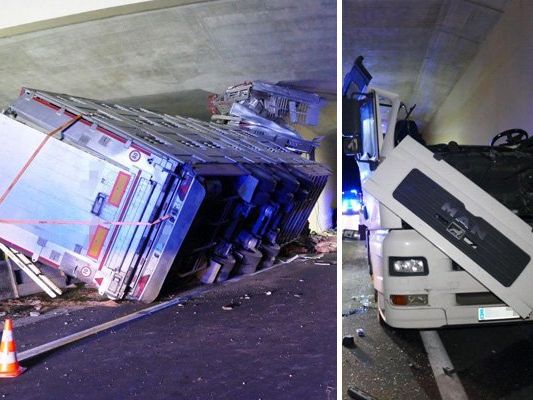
column 388, row 364
column 277, row 342
column 492, row 362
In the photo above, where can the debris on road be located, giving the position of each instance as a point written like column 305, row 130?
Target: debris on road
column 358, row 394
column 353, row 311
column 312, row 246
column 229, row 307
column 312, row 257
column 348, row 341
column 74, row 298
column 415, row 366
column 325, row 244
column 268, row 293
column 449, row 371
column 360, row 332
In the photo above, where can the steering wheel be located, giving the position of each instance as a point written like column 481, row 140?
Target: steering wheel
column 513, row 137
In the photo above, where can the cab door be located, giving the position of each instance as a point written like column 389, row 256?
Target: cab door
column 61, row 185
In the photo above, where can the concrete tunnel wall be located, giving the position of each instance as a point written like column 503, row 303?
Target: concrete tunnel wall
column 323, row 215
column 494, row 94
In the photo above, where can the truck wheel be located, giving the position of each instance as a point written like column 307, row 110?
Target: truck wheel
column 250, row 261
column 270, row 252
column 228, row 263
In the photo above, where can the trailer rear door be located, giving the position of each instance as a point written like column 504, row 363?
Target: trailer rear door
column 63, row 183
column 465, row 222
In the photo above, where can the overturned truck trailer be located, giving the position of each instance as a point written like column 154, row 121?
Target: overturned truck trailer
column 123, row 197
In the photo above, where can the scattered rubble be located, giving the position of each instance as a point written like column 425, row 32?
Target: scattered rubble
column 353, row 311
column 358, row 394
column 313, row 243
column 348, row 341
column 74, row 297
column 325, row 243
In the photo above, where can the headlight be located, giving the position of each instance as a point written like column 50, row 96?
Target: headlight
column 408, row 266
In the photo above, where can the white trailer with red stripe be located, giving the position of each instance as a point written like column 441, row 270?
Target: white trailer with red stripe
column 109, row 193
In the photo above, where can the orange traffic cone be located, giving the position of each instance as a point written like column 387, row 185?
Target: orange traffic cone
column 9, row 366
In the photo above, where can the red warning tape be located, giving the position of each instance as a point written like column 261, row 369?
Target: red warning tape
column 73, row 222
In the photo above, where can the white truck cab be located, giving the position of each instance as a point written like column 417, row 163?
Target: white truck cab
column 442, row 250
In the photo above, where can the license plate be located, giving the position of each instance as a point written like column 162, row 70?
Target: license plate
column 496, row 313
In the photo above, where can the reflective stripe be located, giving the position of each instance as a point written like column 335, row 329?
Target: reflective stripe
column 119, row 188
column 97, row 242
column 7, row 336
column 7, row 358
column 6, row 347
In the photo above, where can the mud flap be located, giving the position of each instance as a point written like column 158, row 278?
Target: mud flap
column 462, row 220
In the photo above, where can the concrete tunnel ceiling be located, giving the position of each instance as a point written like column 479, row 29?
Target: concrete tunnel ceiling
column 204, row 46
column 417, row 48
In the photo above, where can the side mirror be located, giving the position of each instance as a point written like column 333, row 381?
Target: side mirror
column 350, row 146
column 351, row 127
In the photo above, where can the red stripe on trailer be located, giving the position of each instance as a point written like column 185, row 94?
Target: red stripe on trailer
column 139, row 287
column 46, row 103
column 28, row 253
column 98, row 128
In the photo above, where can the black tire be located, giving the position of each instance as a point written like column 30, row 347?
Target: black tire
column 249, row 262
column 228, row 264
column 270, row 252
